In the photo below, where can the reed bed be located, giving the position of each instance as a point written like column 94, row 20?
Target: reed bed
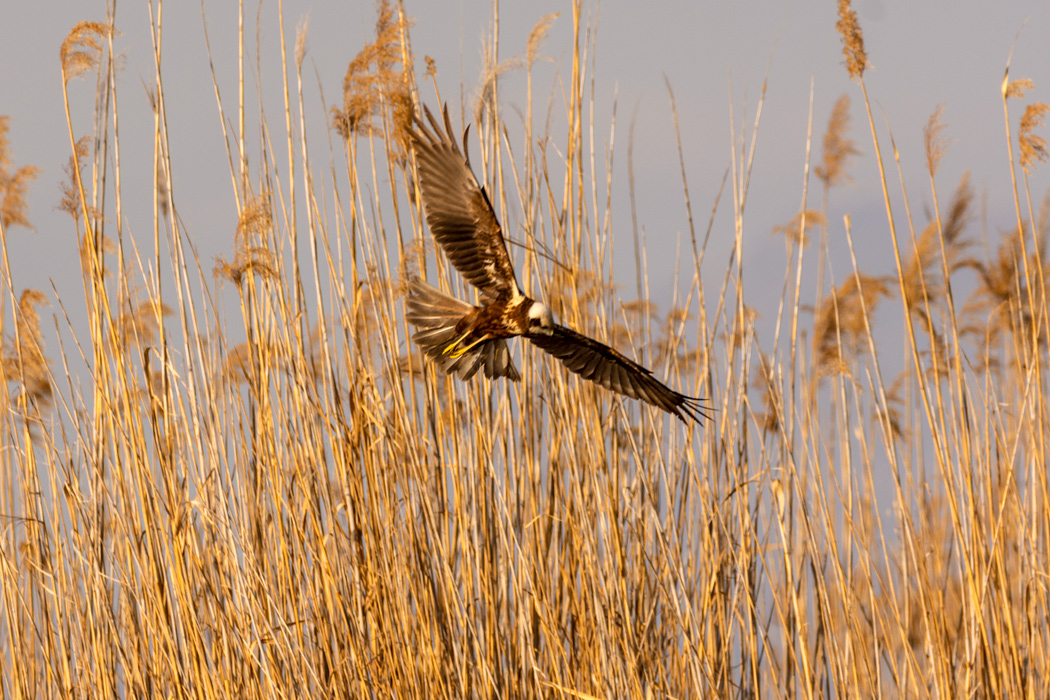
column 258, row 489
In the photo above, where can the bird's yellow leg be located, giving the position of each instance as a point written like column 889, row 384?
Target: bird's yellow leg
column 452, row 346
column 459, row 352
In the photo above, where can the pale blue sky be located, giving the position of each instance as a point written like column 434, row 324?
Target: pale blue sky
column 922, row 54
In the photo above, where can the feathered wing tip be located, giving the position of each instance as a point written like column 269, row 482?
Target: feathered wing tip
column 692, row 408
column 435, row 315
column 601, row 364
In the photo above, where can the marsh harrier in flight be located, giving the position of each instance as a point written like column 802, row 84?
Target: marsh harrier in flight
column 461, row 337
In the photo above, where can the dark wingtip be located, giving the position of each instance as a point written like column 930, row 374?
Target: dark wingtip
column 434, row 133
column 448, row 122
column 466, row 153
column 693, row 409
column 421, row 134
column 431, row 119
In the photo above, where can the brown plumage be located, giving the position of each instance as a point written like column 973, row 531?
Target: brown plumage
column 459, row 212
column 463, row 338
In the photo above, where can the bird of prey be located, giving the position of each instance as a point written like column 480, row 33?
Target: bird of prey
column 461, row 337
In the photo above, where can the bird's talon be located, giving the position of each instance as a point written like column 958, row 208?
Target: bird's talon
column 455, row 352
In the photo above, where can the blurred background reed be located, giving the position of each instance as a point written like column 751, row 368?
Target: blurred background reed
column 259, row 489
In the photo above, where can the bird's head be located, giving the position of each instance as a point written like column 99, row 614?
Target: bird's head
column 541, row 320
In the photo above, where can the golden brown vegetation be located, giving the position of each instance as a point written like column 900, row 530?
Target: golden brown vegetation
column 1033, row 146
column 13, row 185
column 284, row 500
column 839, row 149
column 25, row 363
column 379, row 76
column 852, row 40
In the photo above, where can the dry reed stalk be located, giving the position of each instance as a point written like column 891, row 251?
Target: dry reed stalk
column 264, row 504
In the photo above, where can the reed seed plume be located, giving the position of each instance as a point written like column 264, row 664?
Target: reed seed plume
column 839, row 332
column 492, row 72
column 893, row 412
column 1033, row 146
column 367, row 313
column 669, row 347
column 377, row 77
column 922, row 284
column 767, row 383
column 839, row 148
column 934, row 140
column 13, row 186
column 70, row 202
column 794, row 232
column 631, row 323
column 960, row 214
column 138, row 326
column 1016, row 89
column 537, row 36
column 241, row 365
column 82, row 48
column 106, row 246
column 942, row 570
column 998, row 285
column 490, row 75
column 743, row 327
column 1000, row 304
column 255, row 224
column 301, row 32
column 252, row 240
column 24, row 360
column 852, row 40
column 582, row 287
column 413, row 364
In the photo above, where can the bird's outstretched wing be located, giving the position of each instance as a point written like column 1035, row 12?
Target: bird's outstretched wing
column 458, row 210
column 604, row 366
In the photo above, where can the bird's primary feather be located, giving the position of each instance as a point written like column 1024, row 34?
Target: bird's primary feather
column 608, row 368
column 458, row 211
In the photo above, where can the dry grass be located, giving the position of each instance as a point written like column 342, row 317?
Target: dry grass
column 13, row 185
column 276, row 497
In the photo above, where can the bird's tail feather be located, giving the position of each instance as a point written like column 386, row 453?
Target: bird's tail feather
column 435, row 316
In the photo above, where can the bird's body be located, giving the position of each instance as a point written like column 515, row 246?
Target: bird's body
column 453, row 330
column 462, row 337
column 497, row 319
